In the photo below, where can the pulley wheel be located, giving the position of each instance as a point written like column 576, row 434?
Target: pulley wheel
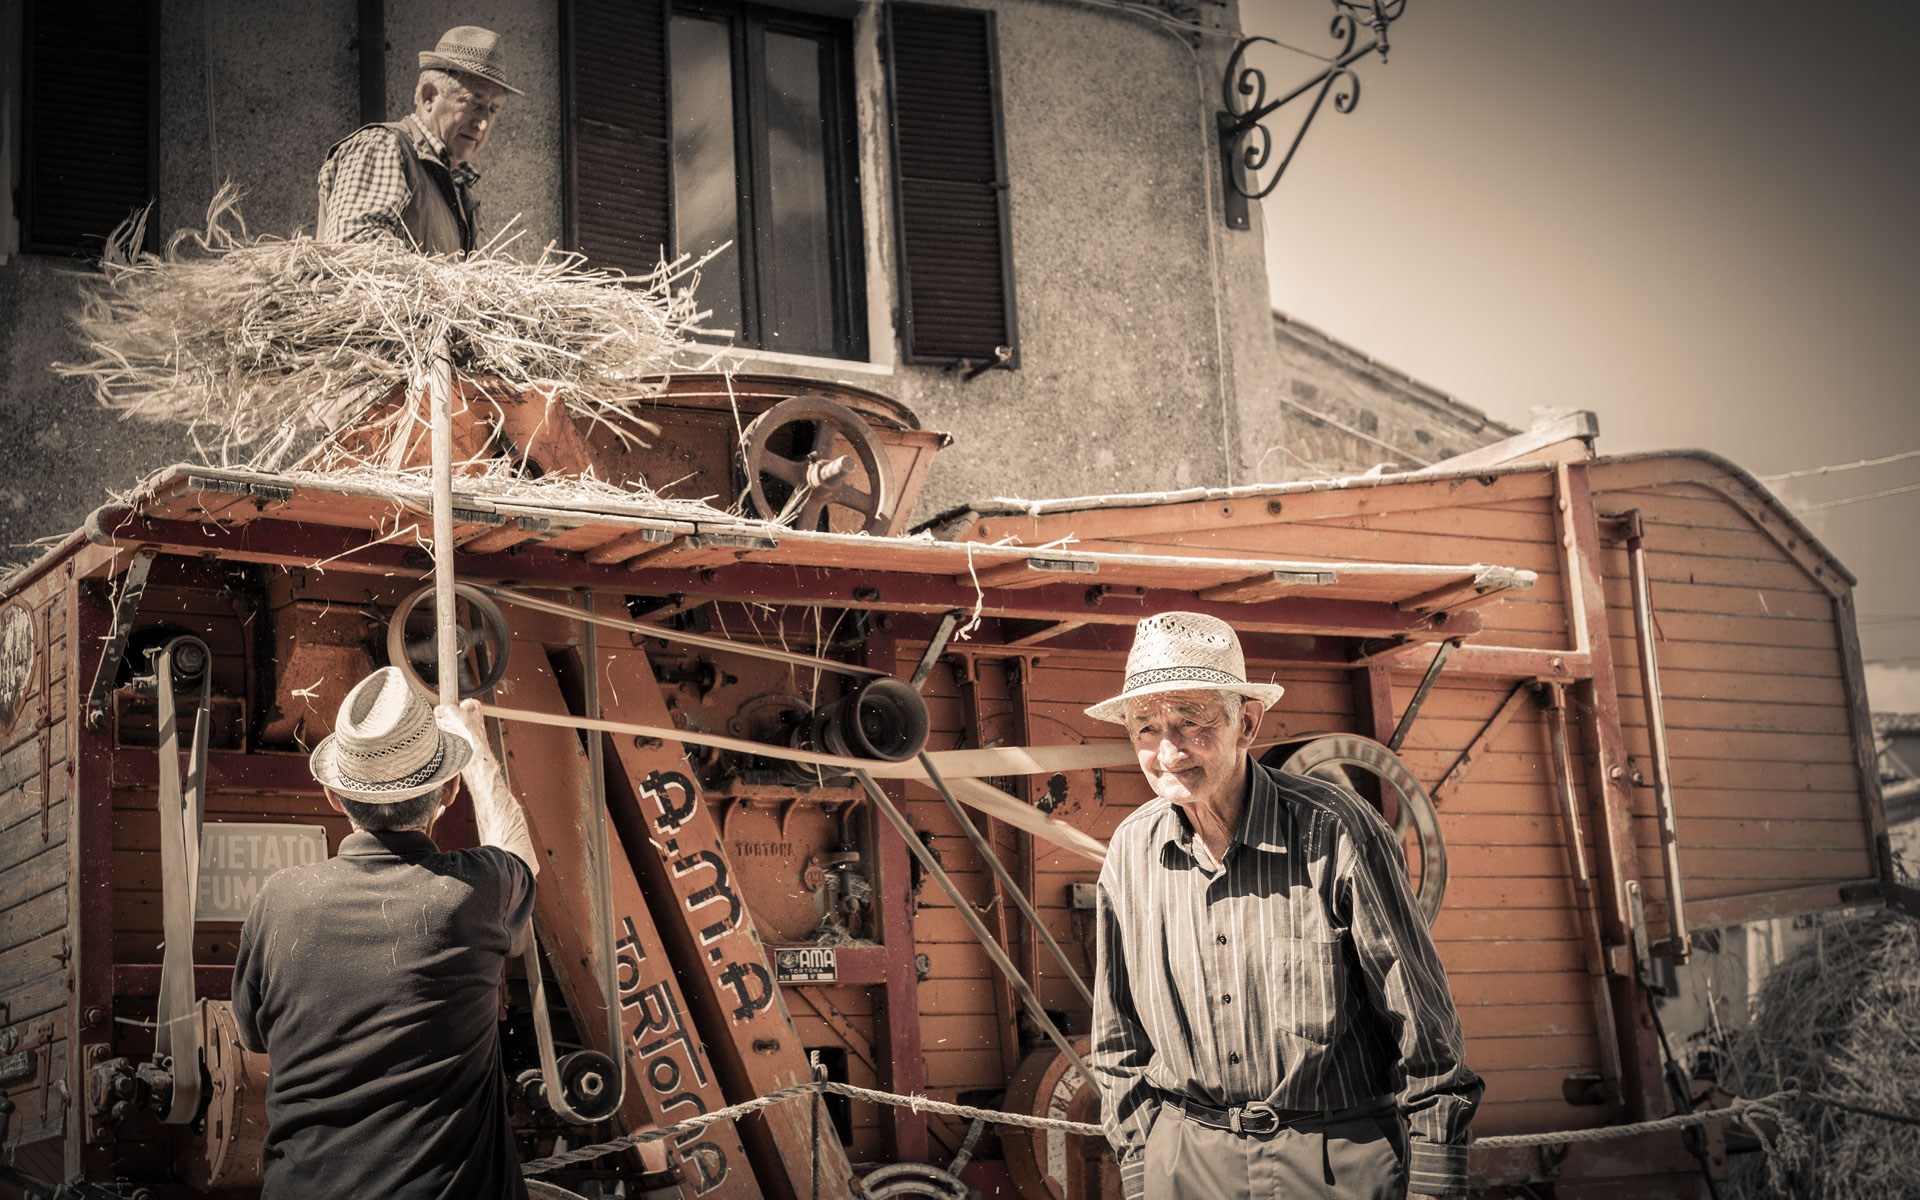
column 589, row 1083
column 811, row 463
column 1046, row 1164
column 882, row 719
column 1329, row 758
column 920, row 1181
column 484, row 641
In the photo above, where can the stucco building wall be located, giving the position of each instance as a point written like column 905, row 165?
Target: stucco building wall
column 1142, row 318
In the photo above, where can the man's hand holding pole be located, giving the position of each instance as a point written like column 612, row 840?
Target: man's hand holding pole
column 501, row 820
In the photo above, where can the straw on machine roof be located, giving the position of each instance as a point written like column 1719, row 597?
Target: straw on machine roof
column 261, row 345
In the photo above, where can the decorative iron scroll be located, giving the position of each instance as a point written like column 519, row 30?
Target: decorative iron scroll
column 1246, row 145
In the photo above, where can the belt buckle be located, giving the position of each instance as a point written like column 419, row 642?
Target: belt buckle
column 1268, row 1117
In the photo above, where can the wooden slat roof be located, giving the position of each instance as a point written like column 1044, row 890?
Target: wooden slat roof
column 641, row 532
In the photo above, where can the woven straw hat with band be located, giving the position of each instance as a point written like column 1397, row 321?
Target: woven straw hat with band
column 1184, row 652
column 385, row 746
column 472, row 50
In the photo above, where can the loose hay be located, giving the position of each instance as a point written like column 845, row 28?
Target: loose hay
column 262, row 345
column 1842, row 1017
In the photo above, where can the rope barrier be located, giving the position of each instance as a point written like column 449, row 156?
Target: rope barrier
column 1743, row 1110
column 1785, row 1133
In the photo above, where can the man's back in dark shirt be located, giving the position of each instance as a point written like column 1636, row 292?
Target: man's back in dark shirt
column 372, row 980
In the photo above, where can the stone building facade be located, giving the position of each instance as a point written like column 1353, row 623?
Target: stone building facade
column 1144, row 357
column 1348, row 412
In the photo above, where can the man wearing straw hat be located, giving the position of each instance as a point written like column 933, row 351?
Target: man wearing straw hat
column 373, row 978
column 411, row 179
column 1270, row 1018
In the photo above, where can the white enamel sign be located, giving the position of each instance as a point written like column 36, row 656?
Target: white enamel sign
column 236, row 858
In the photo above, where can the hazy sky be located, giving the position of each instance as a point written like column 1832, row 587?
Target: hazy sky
column 1695, row 219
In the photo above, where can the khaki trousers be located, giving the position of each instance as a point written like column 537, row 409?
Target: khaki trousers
column 1360, row 1158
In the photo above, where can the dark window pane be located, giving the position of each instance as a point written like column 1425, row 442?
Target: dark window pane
column 797, row 268
column 705, row 192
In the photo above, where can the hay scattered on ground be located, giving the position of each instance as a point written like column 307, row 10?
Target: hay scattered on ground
column 1842, row 1017
column 262, row 345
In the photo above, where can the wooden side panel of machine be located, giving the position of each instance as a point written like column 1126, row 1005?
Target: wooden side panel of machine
column 1505, row 519
column 1509, row 932
column 669, row 1075
column 35, row 939
column 1754, row 681
column 676, row 843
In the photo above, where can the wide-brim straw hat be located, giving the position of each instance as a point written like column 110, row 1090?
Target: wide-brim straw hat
column 1184, row 652
column 471, row 50
column 386, row 746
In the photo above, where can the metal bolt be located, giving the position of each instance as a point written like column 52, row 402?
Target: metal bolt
column 95, row 1016
column 1616, row 772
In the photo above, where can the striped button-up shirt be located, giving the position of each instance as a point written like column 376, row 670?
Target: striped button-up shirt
column 1297, row 971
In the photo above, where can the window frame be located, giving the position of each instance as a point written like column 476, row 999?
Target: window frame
column 747, row 24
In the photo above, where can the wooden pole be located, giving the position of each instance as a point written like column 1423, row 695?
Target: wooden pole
column 445, row 641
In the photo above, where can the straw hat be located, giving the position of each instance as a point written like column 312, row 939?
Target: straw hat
column 470, row 49
column 1184, row 652
column 386, row 746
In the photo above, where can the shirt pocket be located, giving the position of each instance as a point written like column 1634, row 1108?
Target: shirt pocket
column 1306, row 988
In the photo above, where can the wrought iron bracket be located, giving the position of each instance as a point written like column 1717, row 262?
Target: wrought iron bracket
column 1246, row 145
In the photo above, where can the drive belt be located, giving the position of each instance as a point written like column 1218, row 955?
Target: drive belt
column 176, row 1041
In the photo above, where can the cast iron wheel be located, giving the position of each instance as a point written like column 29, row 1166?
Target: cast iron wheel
column 1328, row 757
column 794, row 477
column 415, row 650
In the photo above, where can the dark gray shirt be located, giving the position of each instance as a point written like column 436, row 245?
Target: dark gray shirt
column 373, row 981
column 1297, row 971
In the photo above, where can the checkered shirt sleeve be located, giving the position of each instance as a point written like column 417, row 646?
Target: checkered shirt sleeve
column 363, row 189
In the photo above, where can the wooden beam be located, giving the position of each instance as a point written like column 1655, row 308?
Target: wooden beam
column 712, row 938
column 670, row 1075
column 1266, row 586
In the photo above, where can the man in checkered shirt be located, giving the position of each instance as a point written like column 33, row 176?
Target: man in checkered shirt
column 410, row 179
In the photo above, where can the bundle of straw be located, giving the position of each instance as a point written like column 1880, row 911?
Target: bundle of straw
column 1839, row 1019
column 259, row 345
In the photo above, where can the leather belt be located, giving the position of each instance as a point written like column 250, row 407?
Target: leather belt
column 1260, row 1117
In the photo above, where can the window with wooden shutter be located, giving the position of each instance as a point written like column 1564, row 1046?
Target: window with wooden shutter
column 742, row 151
column 91, row 91
column 618, row 139
column 950, row 180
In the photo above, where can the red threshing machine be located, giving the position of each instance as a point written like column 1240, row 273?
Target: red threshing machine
column 1613, row 705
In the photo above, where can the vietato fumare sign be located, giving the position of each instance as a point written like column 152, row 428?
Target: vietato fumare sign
column 236, row 858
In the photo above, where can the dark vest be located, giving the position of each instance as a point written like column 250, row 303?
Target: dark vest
column 439, row 213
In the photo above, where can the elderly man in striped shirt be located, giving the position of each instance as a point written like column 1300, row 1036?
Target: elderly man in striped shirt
column 1270, row 1018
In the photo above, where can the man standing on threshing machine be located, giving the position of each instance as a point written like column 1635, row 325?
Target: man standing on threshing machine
column 373, row 978
column 411, row 179
column 1270, row 1018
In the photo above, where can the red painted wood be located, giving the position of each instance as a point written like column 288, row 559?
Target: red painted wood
column 903, row 1064
column 669, row 1074
column 713, row 941
column 1611, row 781
column 89, row 886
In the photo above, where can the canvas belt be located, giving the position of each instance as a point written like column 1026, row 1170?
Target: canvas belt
column 600, row 912
column 176, row 1042
column 1260, row 1118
